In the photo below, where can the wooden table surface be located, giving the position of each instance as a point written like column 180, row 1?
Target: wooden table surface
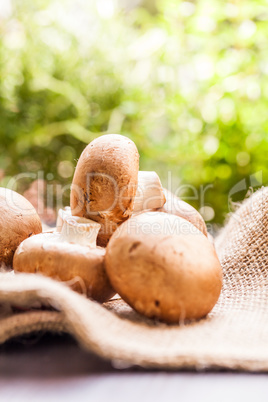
column 54, row 368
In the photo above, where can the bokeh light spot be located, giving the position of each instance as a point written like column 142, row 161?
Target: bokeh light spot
column 65, row 169
column 207, row 213
column 243, row 158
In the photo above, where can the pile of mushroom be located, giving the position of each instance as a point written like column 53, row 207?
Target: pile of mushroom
column 124, row 233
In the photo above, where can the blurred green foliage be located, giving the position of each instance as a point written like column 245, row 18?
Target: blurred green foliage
column 186, row 80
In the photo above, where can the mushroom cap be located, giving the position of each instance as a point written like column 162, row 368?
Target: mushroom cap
column 46, row 254
column 105, row 183
column 176, row 206
column 164, row 267
column 18, row 220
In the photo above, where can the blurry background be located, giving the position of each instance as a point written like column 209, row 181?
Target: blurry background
column 186, row 80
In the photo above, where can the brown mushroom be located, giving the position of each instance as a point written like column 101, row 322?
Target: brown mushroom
column 18, row 220
column 70, row 256
column 164, row 267
column 106, row 181
column 149, row 193
column 176, row 206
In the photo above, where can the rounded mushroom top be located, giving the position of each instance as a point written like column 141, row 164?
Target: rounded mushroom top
column 164, row 267
column 18, row 220
column 150, row 226
column 176, row 206
column 105, row 182
column 15, row 203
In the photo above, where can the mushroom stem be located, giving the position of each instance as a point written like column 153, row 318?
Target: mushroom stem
column 149, row 193
column 79, row 231
column 62, row 213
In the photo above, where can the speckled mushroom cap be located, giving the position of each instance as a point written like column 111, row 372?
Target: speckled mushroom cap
column 105, row 183
column 18, row 220
column 176, row 206
column 82, row 267
column 164, row 267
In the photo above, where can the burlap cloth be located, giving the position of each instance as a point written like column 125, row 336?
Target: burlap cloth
column 234, row 335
